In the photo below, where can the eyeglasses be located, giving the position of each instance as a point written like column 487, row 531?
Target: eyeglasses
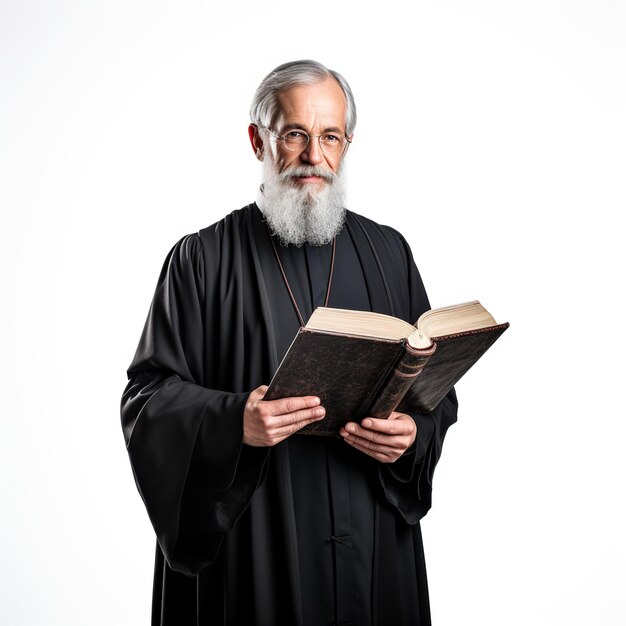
column 331, row 144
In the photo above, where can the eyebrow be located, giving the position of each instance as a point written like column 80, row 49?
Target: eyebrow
column 329, row 129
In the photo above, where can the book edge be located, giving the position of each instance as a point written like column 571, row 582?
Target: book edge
column 475, row 331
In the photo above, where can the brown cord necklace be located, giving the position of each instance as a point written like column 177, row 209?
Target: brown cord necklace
column 293, row 300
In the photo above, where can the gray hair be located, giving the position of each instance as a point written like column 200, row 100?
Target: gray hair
column 264, row 110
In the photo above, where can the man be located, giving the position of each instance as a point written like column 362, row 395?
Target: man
column 255, row 523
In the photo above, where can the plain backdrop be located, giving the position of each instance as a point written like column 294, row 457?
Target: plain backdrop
column 491, row 133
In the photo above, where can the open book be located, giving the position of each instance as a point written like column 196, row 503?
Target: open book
column 363, row 364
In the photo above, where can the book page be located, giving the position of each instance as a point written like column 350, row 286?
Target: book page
column 455, row 319
column 362, row 323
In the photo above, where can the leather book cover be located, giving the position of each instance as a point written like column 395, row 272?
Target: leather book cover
column 454, row 356
column 401, row 378
column 344, row 371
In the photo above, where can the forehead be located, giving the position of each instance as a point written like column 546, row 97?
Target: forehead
column 320, row 105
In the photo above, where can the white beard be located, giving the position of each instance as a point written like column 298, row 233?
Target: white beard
column 296, row 214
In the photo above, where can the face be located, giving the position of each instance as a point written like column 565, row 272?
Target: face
column 318, row 108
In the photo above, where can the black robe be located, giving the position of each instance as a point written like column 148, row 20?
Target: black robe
column 310, row 531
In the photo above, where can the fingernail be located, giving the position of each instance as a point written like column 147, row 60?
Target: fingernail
column 350, row 428
column 367, row 423
column 320, row 412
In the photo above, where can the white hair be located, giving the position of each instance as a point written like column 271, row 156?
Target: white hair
column 265, row 109
column 298, row 215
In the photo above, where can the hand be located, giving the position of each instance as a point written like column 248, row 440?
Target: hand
column 384, row 439
column 268, row 422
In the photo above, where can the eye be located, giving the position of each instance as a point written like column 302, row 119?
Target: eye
column 295, row 135
column 331, row 139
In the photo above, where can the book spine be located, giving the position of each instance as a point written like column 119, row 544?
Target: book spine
column 399, row 381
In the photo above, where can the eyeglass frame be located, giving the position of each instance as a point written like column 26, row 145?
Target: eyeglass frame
column 309, row 135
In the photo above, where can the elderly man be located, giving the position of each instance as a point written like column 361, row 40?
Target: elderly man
column 255, row 523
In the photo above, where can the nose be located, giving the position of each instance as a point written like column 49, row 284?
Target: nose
column 313, row 152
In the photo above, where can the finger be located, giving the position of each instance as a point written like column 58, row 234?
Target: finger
column 396, row 425
column 354, row 430
column 375, row 441
column 284, row 406
column 294, row 419
column 290, row 428
column 259, row 392
column 383, row 456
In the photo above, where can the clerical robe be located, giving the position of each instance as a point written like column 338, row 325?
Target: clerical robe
column 310, row 531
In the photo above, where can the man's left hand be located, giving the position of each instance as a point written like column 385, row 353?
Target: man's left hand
column 386, row 440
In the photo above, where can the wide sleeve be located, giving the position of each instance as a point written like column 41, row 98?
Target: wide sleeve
column 184, row 440
column 407, row 483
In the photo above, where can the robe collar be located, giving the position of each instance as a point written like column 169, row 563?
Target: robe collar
column 375, row 279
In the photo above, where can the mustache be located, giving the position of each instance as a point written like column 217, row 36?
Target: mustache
column 308, row 170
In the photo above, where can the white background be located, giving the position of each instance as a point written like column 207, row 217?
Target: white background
column 491, row 133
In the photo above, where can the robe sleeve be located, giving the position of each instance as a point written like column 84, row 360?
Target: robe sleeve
column 184, row 440
column 407, row 483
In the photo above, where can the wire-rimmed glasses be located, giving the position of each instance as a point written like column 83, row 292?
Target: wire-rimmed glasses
column 297, row 140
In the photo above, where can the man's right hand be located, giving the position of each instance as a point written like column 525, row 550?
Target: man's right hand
column 268, row 422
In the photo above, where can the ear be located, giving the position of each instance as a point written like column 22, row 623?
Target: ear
column 255, row 141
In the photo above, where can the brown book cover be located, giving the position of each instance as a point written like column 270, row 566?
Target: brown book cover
column 454, row 356
column 360, row 375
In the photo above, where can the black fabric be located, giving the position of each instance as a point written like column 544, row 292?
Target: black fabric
column 334, row 504
column 240, row 536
